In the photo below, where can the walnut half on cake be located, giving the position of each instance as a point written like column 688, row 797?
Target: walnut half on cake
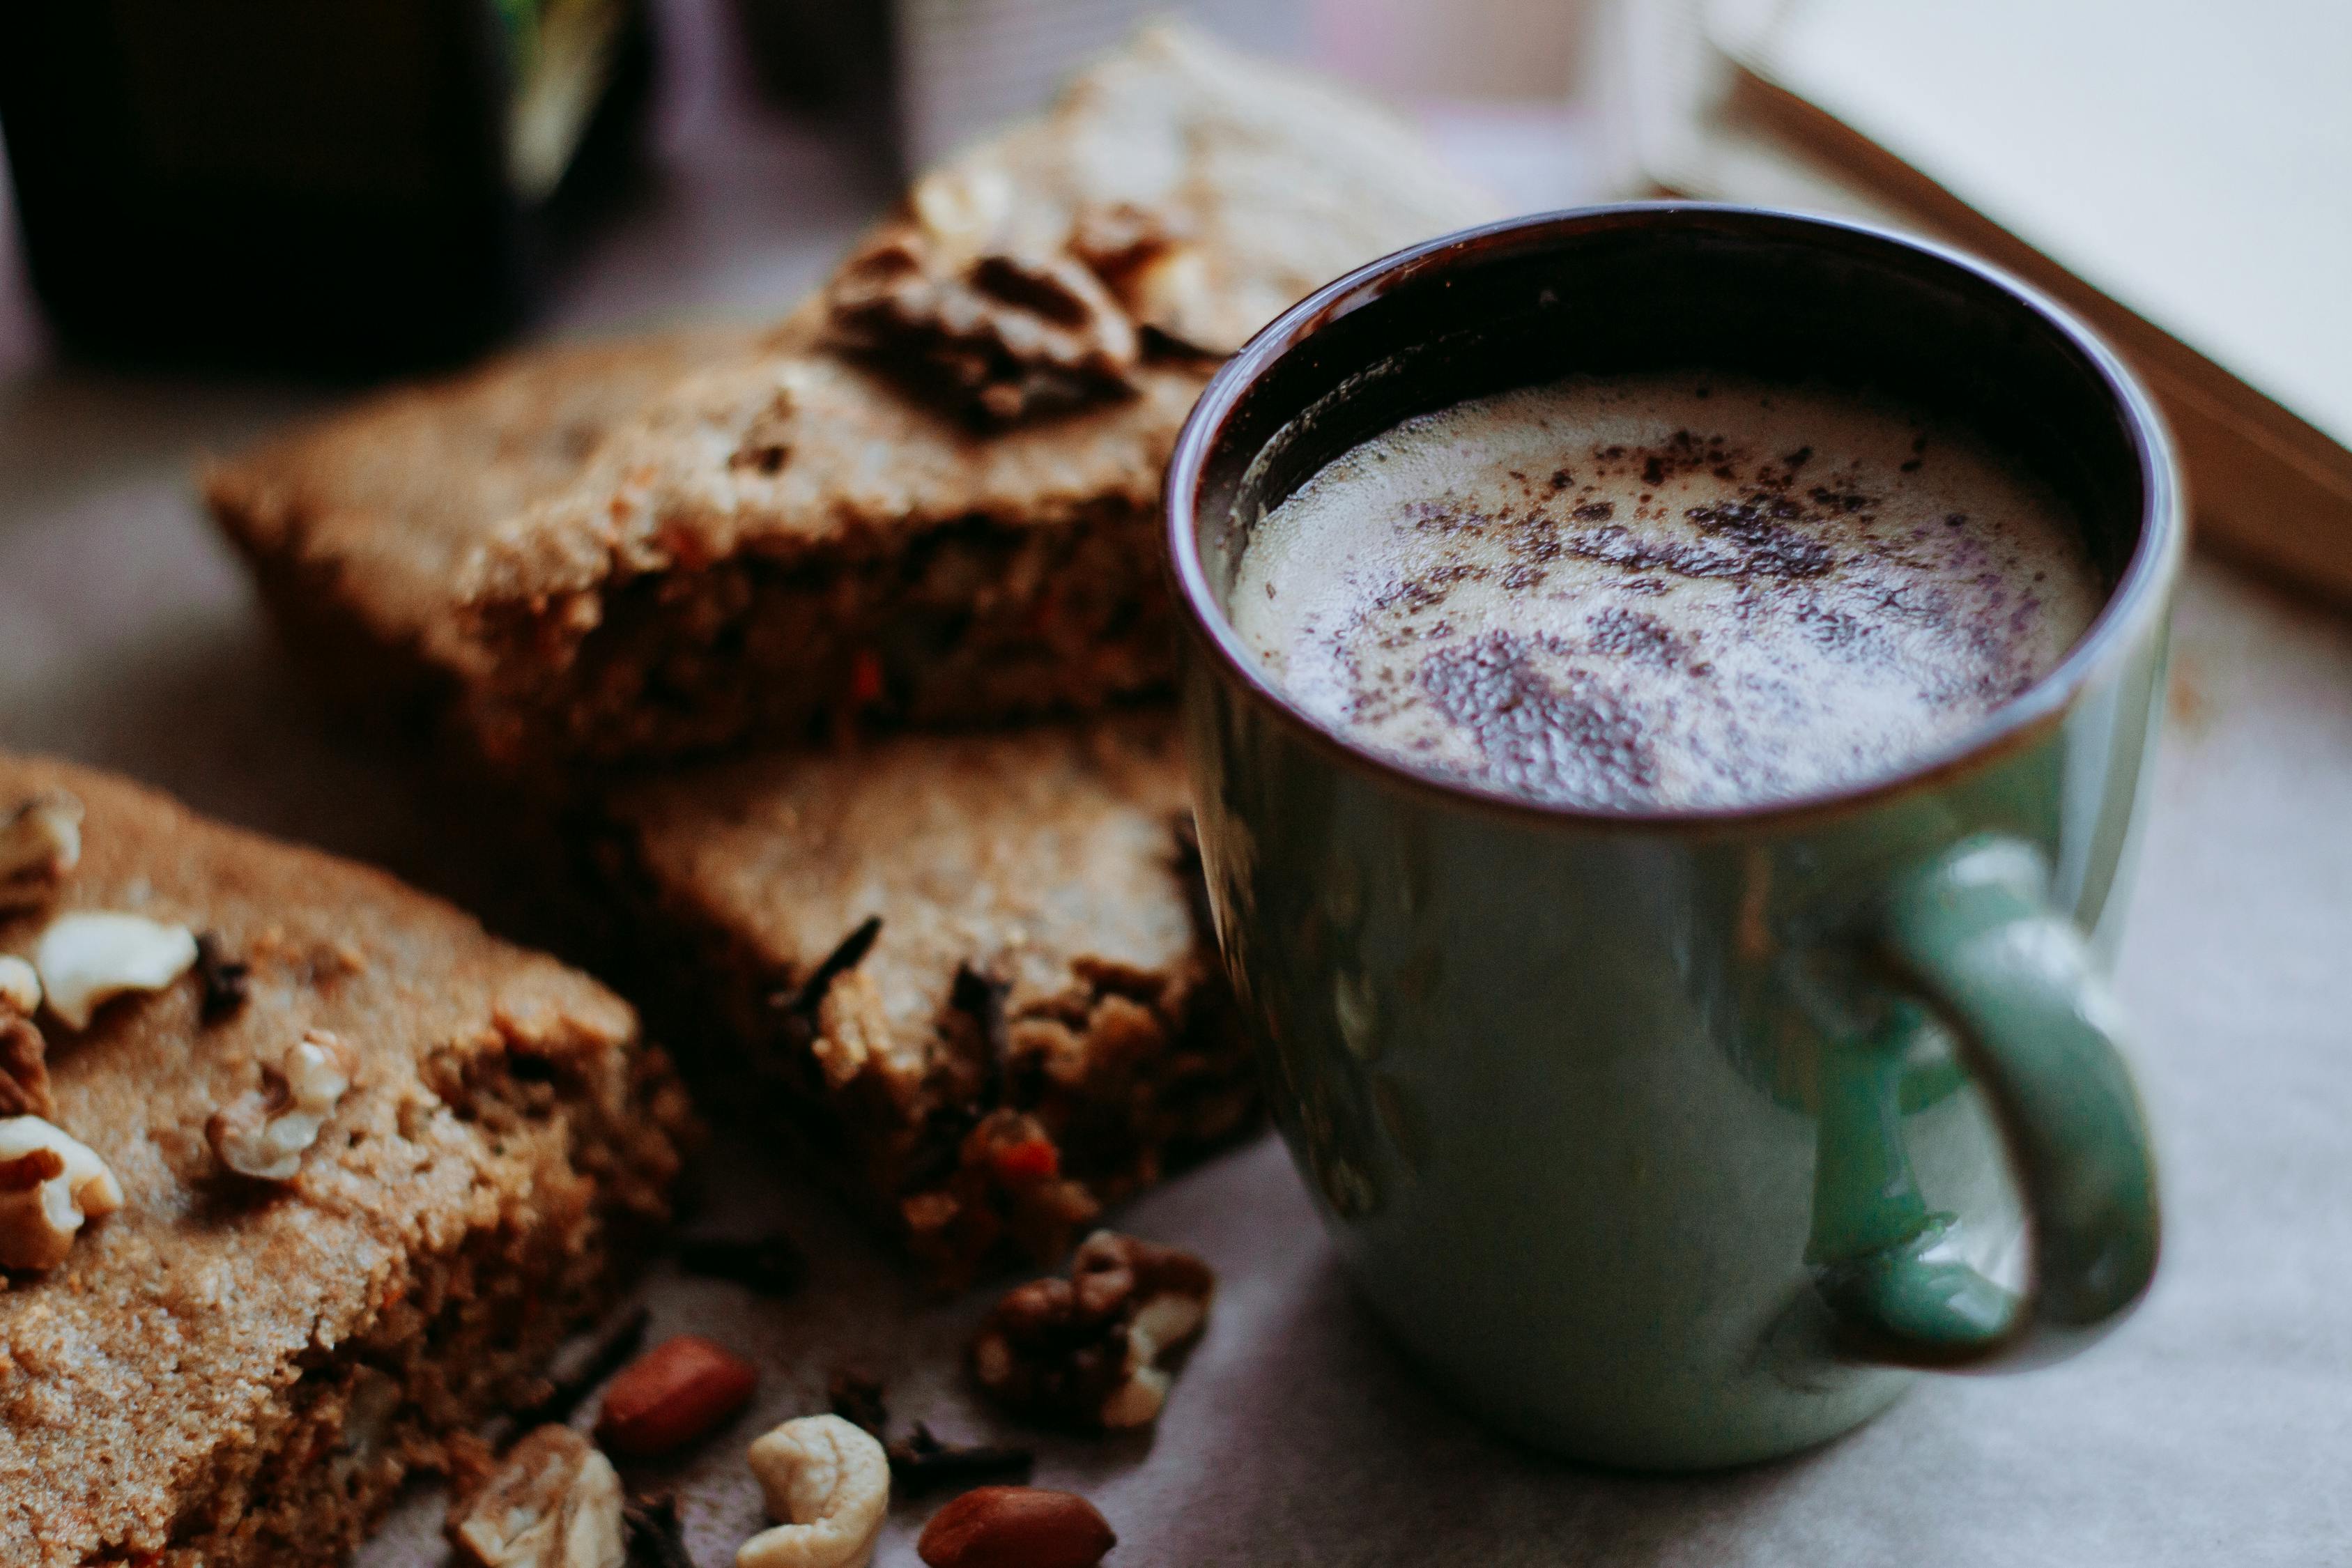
column 324, row 1174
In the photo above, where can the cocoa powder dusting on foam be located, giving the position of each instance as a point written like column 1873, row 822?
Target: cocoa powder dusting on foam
column 1714, row 597
column 1579, row 742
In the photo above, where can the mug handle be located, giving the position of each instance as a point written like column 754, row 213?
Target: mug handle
column 1974, row 933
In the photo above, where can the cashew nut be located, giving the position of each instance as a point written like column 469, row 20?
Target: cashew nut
column 40, row 841
column 831, row 1481
column 86, row 958
column 49, row 1184
column 264, row 1133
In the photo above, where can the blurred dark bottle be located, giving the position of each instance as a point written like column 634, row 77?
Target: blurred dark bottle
column 346, row 185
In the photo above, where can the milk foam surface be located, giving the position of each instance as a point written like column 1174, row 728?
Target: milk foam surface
column 1671, row 591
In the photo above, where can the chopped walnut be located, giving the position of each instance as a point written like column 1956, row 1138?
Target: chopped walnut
column 1159, row 276
column 1002, row 333
column 50, row 1183
column 554, row 1503
column 1089, row 1352
column 24, row 1055
column 264, row 1133
column 40, row 841
column 963, row 207
column 86, row 958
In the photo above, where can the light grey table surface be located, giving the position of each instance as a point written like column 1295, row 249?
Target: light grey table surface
column 2215, row 1429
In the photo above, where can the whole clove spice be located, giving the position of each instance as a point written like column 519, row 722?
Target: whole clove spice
column 772, row 1265
column 857, row 1398
column 981, row 998
column 656, row 1539
column 802, row 1001
column 920, row 1462
column 574, row 1382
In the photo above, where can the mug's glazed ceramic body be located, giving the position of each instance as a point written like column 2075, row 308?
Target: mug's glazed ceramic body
column 1654, row 1137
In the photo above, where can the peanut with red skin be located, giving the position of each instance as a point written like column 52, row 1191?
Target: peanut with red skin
column 1016, row 1527
column 682, row 1389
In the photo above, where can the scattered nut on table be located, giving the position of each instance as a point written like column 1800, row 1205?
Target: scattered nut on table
column 264, row 1133
column 24, row 1054
column 86, row 958
column 681, row 1389
column 40, row 841
column 1090, row 1352
column 1016, row 1527
column 555, row 1502
column 831, row 1482
column 50, row 1183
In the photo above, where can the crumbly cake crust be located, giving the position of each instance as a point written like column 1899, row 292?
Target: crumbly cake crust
column 359, row 526
column 227, row 1373
column 1035, row 1027
column 805, row 526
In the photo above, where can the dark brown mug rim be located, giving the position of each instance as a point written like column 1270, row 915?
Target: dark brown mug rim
column 2138, row 591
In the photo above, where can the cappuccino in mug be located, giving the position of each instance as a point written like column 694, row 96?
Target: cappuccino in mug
column 1681, row 591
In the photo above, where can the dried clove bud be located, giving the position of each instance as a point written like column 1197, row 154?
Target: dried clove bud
column 655, row 1537
column 772, row 1265
column 920, row 1462
column 578, row 1375
column 1095, row 1351
column 857, row 1398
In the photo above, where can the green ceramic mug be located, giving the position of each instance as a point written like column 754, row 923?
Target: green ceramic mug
column 1682, row 1138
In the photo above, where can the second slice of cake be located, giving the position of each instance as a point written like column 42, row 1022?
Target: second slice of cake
column 970, row 971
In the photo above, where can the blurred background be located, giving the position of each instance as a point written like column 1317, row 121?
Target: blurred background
column 380, row 183
column 370, row 187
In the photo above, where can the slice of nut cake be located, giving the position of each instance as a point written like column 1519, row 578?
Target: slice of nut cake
column 360, row 528
column 926, row 497
column 971, row 971
column 311, row 1177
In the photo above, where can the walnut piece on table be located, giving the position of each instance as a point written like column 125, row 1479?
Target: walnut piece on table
column 1090, row 1352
